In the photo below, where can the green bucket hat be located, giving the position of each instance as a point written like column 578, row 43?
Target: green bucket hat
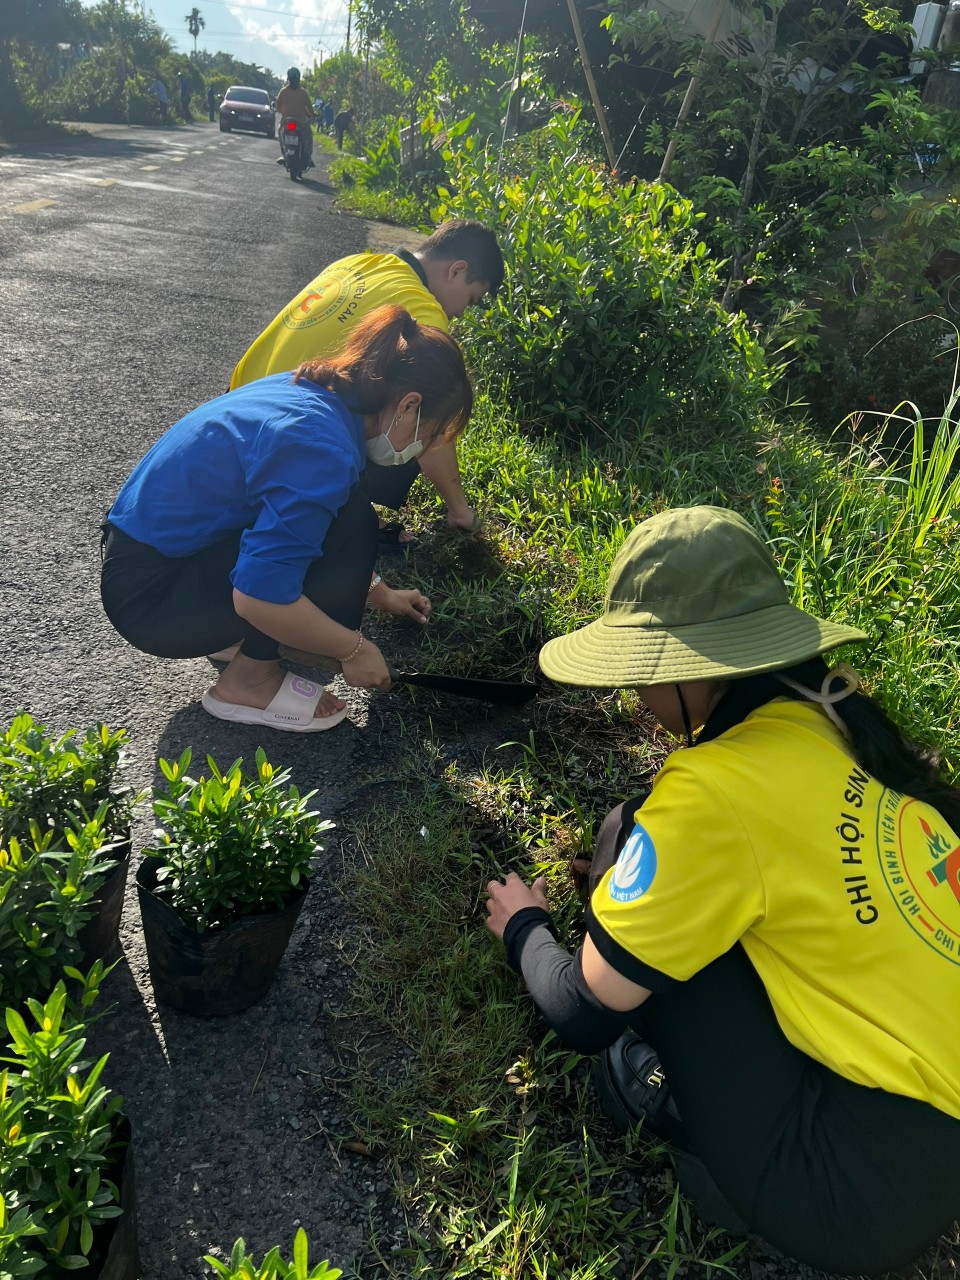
column 694, row 594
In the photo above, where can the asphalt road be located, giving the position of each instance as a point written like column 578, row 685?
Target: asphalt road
column 135, row 266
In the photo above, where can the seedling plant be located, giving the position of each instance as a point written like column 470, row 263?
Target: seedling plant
column 232, row 844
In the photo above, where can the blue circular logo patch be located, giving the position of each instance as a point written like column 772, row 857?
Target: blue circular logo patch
column 636, row 867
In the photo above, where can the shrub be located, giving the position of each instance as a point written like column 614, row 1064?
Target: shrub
column 610, row 310
column 58, row 783
column 233, row 845
column 242, row 1266
column 57, row 1139
column 46, row 897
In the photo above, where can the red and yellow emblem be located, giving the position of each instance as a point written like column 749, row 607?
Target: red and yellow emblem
column 325, row 297
column 920, row 859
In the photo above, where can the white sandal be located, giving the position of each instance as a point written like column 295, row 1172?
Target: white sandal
column 292, row 708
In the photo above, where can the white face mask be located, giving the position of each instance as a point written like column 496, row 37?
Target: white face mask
column 381, row 451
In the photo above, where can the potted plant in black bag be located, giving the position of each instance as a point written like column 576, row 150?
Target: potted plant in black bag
column 66, row 1169
column 221, row 891
column 57, row 785
column 48, row 896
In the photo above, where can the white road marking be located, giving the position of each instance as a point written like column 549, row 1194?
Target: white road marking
column 93, row 179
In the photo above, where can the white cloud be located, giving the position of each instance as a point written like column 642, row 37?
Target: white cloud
column 297, row 37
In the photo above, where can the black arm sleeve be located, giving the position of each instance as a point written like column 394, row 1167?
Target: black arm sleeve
column 556, row 982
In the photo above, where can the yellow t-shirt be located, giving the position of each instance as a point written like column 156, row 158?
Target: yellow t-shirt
column 295, row 104
column 320, row 318
column 844, row 895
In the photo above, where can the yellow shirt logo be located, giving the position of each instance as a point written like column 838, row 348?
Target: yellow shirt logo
column 328, row 295
column 920, row 860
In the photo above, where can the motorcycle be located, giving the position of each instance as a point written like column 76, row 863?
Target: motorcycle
column 293, row 146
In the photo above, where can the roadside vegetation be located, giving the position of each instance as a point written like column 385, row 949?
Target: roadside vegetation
column 767, row 332
column 618, row 376
column 61, row 60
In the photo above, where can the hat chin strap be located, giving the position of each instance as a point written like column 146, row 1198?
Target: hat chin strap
column 688, row 728
column 826, row 699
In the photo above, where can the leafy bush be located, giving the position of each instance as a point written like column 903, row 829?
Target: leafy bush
column 242, row 1266
column 58, row 783
column 46, row 897
column 233, row 845
column 57, row 1138
column 610, row 309
column 99, row 89
column 884, row 359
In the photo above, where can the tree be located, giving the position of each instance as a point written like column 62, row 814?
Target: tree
column 195, row 25
column 125, row 51
column 787, row 132
column 28, row 28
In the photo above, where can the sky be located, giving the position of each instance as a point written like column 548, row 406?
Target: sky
column 270, row 33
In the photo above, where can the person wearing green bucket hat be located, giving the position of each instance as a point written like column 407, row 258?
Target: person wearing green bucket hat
column 771, row 969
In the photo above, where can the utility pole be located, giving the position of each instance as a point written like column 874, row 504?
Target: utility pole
column 591, row 84
column 689, row 96
column 349, row 21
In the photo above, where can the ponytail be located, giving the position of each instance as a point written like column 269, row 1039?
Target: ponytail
column 390, row 354
column 879, row 746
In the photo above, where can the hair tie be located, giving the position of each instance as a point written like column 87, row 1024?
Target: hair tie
column 826, row 699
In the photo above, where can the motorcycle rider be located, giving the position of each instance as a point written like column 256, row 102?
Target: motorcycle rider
column 293, row 103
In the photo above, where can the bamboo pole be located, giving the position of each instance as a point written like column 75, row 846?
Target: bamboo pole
column 591, row 85
column 689, row 96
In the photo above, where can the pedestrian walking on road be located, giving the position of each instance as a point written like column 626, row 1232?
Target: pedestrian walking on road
column 159, row 90
column 246, row 524
column 327, row 117
column 211, row 103
column 185, row 98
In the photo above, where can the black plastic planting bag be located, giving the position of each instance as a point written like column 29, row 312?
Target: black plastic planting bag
column 219, row 971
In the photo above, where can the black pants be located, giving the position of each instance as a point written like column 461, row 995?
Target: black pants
column 389, row 486
column 182, row 607
column 847, row 1178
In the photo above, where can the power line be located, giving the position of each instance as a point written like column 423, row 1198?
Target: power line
column 293, row 35
column 253, row 8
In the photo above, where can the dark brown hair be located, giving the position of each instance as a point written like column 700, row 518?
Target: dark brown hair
column 390, row 354
column 474, row 243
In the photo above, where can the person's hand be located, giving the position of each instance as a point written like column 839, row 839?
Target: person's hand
column 509, row 896
column 367, row 670
column 404, row 604
column 465, row 519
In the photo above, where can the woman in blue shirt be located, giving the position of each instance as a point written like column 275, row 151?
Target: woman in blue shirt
column 247, row 520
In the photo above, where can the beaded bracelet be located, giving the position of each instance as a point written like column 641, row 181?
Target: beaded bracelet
column 356, row 650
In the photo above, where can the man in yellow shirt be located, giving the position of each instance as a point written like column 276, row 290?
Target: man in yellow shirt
column 294, row 103
column 457, row 267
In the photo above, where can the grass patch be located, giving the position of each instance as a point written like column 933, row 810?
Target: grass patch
column 385, row 204
column 502, row 1162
